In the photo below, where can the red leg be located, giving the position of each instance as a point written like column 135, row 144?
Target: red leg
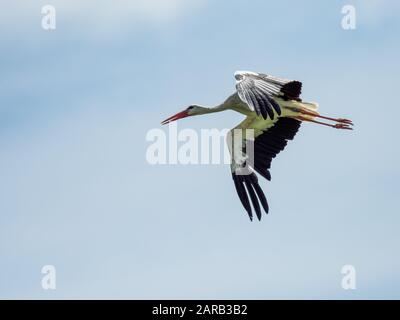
column 336, row 126
column 317, row 115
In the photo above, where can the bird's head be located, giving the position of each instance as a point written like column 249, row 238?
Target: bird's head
column 192, row 110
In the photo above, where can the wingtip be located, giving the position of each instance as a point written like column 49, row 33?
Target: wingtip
column 240, row 72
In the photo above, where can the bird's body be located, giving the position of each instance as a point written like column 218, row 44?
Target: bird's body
column 289, row 108
column 274, row 113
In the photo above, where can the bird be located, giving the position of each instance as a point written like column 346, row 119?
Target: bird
column 274, row 112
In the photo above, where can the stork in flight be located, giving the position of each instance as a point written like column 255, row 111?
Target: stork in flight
column 274, row 110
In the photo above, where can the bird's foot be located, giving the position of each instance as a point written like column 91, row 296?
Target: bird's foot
column 344, row 126
column 346, row 121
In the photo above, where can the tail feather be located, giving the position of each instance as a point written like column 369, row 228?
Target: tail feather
column 312, row 106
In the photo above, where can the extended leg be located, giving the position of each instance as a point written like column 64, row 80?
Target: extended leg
column 345, row 126
column 317, row 115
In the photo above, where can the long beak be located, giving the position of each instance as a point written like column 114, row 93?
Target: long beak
column 177, row 116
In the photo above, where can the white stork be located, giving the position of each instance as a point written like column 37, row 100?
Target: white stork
column 274, row 110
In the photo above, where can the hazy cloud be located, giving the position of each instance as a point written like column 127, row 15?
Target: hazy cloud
column 94, row 14
column 374, row 12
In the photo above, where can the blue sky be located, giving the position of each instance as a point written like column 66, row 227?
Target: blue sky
column 76, row 191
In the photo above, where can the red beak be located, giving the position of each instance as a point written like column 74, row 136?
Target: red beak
column 177, row 116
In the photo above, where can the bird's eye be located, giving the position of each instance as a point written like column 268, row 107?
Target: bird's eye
column 190, row 108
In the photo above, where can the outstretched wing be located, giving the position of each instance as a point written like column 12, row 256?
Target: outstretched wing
column 259, row 90
column 266, row 147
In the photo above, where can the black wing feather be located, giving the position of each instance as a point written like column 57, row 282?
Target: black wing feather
column 292, row 90
column 271, row 142
column 253, row 197
column 266, row 147
column 242, row 194
column 251, row 183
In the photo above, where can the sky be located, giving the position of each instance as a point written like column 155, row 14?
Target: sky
column 77, row 193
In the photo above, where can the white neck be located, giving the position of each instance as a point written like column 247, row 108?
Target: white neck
column 206, row 110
